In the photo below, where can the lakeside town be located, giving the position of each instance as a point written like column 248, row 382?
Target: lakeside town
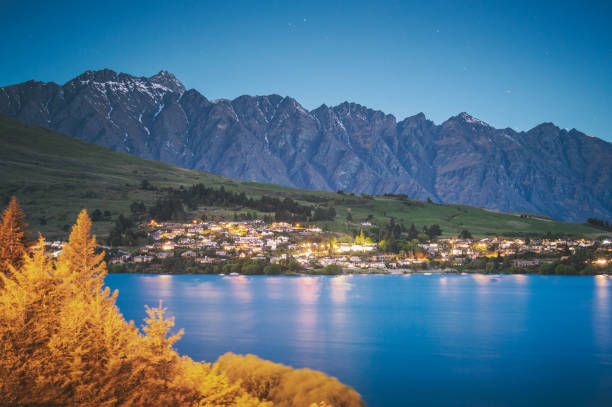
column 209, row 245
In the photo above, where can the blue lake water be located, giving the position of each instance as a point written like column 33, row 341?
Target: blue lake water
column 440, row 340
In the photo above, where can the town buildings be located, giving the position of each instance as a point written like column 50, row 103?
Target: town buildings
column 220, row 242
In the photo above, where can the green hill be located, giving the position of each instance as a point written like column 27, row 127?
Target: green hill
column 54, row 176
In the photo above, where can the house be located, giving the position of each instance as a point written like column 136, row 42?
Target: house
column 120, row 259
column 527, row 263
column 142, row 259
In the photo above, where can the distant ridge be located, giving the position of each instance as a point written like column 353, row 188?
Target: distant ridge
column 563, row 174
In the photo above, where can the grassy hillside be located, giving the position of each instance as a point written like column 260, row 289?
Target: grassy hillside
column 54, row 176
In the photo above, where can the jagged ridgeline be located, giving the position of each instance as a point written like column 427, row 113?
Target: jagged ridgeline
column 64, row 341
column 54, row 176
column 564, row 174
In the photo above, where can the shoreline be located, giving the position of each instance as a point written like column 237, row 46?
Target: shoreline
column 387, row 273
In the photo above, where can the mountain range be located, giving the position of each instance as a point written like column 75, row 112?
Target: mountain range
column 55, row 176
column 564, row 174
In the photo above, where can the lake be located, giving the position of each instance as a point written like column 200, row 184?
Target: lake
column 438, row 340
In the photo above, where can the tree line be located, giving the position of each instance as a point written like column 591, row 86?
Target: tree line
column 600, row 223
column 172, row 206
column 395, row 237
column 578, row 263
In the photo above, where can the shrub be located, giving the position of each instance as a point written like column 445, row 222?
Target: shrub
column 272, row 269
column 331, row 269
column 284, row 386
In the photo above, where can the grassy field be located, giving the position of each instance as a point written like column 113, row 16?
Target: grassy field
column 54, row 176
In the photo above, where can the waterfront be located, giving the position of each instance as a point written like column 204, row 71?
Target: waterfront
column 406, row 339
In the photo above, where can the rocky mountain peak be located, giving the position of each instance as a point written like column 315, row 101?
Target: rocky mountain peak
column 467, row 118
column 417, row 118
column 168, row 80
column 102, row 75
column 352, row 111
column 290, row 106
column 546, row 127
column 163, row 81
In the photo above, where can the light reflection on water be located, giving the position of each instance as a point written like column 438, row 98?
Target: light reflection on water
column 240, row 288
column 205, row 290
column 601, row 313
column 520, row 278
column 403, row 337
column 340, row 287
column 484, row 324
column 307, row 289
column 161, row 283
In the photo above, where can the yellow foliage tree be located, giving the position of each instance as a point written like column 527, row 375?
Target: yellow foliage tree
column 27, row 302
column 84, row 269
column 63, row 341
column 13, row 241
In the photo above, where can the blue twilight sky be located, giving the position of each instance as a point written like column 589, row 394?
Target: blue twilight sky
column 512, row 64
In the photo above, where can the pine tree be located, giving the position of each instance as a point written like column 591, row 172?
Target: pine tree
column 13, row 239
column 412, row 232
column 78, row 258
column 29, row 299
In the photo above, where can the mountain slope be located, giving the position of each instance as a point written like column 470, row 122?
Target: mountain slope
column 563, row 174
column 54, row 176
